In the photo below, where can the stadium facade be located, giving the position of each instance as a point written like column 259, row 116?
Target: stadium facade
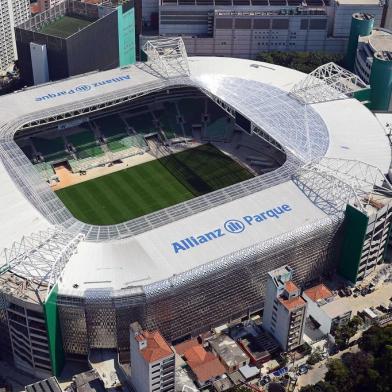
column 68, row 287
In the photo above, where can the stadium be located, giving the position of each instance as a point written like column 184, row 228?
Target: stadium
column 165, row 191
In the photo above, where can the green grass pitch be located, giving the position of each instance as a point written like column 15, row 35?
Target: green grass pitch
column 64, row 27
column 151, row 186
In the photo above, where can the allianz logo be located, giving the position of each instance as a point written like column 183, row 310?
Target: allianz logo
column 230, row 226
column 82, row 88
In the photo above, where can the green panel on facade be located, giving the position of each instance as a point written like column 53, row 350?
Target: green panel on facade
column 54, row 332
column 381, row 83
column 126, row 34
column 356, row 224
column 363, row 94
column 360, row 27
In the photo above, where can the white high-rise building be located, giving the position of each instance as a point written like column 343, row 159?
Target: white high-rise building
column 284, row 309
column 12, row 13
column 152, row 361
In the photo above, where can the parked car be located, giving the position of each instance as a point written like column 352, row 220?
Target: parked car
column 341, row 293
column 303, row 369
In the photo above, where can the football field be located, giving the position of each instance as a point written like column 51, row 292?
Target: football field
column 151, row 186
column 64, row 26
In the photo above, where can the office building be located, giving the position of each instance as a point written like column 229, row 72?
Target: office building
column 284, row 309
column 152, row 361
column 12, row 13
column 243, row 28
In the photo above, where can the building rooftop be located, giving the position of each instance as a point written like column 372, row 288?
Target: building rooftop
column 89, row 381
column 228, row 350
column 290, row 287
column 65, row 26
column 48, row 385
column 318, row 292
column 358, row 2
column 26, row 290
column 204, row 364
column 292, row 303
column 363, row 16
column 259, row 347
column 380, row 40
column 157, row 347
column 184, row 346
column 336, row 308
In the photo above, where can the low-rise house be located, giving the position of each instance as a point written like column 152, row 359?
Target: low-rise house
column 204, row 365
column 325, row 309
column 229, row 353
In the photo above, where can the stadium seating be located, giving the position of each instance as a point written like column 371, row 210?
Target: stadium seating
column 141, row 123
column 45, row 170
column 28, row 151
column 214, row 111
column 167, row 118
column 52, row 149
column 191, row 111
column 129, row 142
column 111, row 127
column 85, row 144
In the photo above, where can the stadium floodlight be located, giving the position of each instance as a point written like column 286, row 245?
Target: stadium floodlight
column 41, row 256
column 328, row 82
column 332, row 183
column 167, row 56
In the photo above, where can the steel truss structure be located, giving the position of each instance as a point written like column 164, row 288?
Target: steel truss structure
column 41, row 256
column 328, row 82
column 332, row 183
column 167, row 56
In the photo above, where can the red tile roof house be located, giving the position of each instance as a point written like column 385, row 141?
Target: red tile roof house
column 204, row 365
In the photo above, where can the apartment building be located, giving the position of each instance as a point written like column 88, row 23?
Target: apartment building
column 284, row 309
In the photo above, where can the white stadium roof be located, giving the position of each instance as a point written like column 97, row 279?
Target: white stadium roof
column 342, row 129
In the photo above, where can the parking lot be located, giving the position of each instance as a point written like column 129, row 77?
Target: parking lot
column 380, row 296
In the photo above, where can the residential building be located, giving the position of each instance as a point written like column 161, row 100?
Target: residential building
column 323, row 310
column 152, row 361
column 229, row 353
column 260, row 347
column 284, row 309
column 46, row 4
column 205, row 366
column 12, row 13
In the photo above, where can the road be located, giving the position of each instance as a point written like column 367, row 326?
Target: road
column 317, row 373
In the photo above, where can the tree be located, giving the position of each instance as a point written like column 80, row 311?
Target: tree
column 301, row 61
column 343, row 333
column 338, row 375
column 368, row 370
column 321, row 386
column 314, row 357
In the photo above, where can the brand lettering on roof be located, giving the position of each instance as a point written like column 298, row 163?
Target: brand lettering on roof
column 230, row 227
column 82, row 88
